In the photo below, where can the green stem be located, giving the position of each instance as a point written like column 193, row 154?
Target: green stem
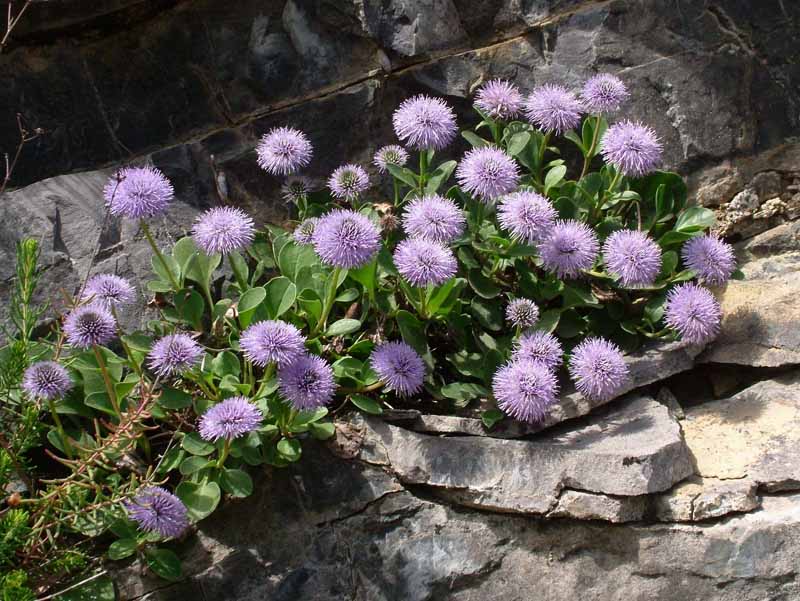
column 209, row 299
column 329, row 298
column 590, row 154
column 265, row 378
column 112, row 395
column 423, row 303
column 372, row 387
column 423, row 171
column 396, row 186
column 60, row 428
column 159, row 256
column 226, row 449
column 240, row 279
column 540, row 163
column 614, row 183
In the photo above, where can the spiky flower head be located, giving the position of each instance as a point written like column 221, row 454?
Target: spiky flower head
column 598, row 369
column 603, row 94
column 423, row 263
column 540, row 347
column 307, row 382
column 272, row 341
column 346, row 239
column 425, row 123
column 232, row 418
column 553, row 108
column 571, row 247
column 711, row 258
column 633, row 257
column 157, row 510
column 296, row 188
column 434, row 218
column 399, row 367
column 304, row 233
column 174, row 354
column 525, row 390
column 694, row 312
column 633, row 148
column 89, row 325
column 223, row 230
column 138, row 192
column 527, row 216
column 390, row 155
column 348, row 181
column 108, row 290
column 522, row 313
column 283, row 151
column 46, row 380
column 488, row 172
column 499, row 99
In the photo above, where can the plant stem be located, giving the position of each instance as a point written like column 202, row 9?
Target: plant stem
column 265, row 378
column 60, row 427
column 423, row 303
column 167, row 270
column 372, row 387
column 423, row 171
column 540, row 163
column 226, row 449
column 614, row 182
column 329, row 298
column 396, row 186
column 590, row 154
column 112, row 395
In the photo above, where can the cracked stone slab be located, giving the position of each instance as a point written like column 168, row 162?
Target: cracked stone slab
column 700, row 499
column 632, row 449
column 581, row 505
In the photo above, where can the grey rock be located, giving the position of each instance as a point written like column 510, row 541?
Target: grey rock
column 699, row 499
column 581, row 505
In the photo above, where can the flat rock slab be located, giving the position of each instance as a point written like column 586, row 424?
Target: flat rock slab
column 701, row 499
column 634, row 449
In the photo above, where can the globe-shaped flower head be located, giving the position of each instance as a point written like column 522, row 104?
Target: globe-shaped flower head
column 232, row 418
column 522, row 313
column 693, row 312
column 295, row 189
column 633, row 148
column 390, row 155
column 138, row 193
column 425, row 123
column 525, row 390
column 711, row 258
column 539, row 347
column 159, row 511
column 633, row 257
column 598, row 369
column 434, row 218
column 304, row 233
column 348, row 181
column 46, row 380
column 603, row 94
column 423, row 263
column 499, row 99
column 571, row 247
column 89, row 325
column 273, row 341
column 553, row 108
column 283, row 151
column 527, row 216
column 488, row 172
column 223, row 230
column 307, row 383
column 346, row 239
column 108, row 290
column 174, row 354
column 399, row 367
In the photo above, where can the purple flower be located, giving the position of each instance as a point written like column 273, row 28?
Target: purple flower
column 283, row 150
column 434, row 218
column 488, row 172
column 399, row 367
column 108, row 290
column 174, row 354
column 598, row 369
column 633, row 148
column 89, row 325
column 157, row 510
column 522, row 313
column 274, row 341
column 425, row 123
column 232, row 418
column 633, row 257
column 539, row 347
column 604, row 93
column 138, row 192
column 46, row 380
column 223, row 230
column 296, row 189
column 499, row 99
column 553, row 109
column 525, row 390
column 527, row 215
column 390, row 155
column 307, row 383
column 348, row 181
column 346, row 239
column 693, row 312
column 304, row 233
column 571, row 247
column 711, row 258
column 424, row 263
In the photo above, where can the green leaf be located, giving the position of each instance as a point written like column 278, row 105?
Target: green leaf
column 201, row 268
column 171, row 398
column 200, row 498
column 464, row 391
column 695, row 219
column 226, row 363
column 193, row 464
column 491, row 417
column 738, row 275
column 343, row 327
column 672, row 238
column 554, row 177
column 249, row 302
column 183, row 252
column 171, row 460
column 236, row 483
column 548, row 320
column 99, row 589
column 440, row 175
column 190, row 306
column 669, row 261
column 366, row 275
column 413, row 334
column 489, row 314
column 366, row 404
column 475, row 140
column 322, row 430
column 654, row 309
column 295, row 258
column 195, row 445
column 445, row 296
column 517, row 143
column 404, row 174
column 164, row 563
column 159, row 270
column 280, row 297
column 483, row 286
column 290, row 449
